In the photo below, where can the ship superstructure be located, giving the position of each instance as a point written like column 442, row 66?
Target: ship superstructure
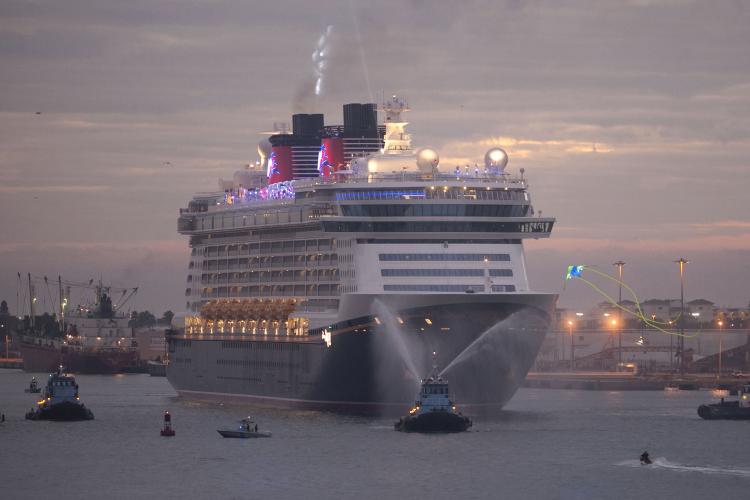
column 333, row 289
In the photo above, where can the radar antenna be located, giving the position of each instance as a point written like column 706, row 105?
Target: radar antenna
column 396, row 139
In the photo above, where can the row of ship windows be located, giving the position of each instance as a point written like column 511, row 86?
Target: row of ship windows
column 263, row 291
column 443, row 272
column 244, row 379
column 437, row 227
column 276, row 261
column 262, row 346
column 435, row 193
column 231, row 221
column 286, row 246
column 476, row 194
column 447, row 288
column 433, row 288
column 265, row 276
column 255, row 363
column 419, row 210
column 443, row 257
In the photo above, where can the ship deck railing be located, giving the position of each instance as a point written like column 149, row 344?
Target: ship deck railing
column 229, row 199
column 378, row 177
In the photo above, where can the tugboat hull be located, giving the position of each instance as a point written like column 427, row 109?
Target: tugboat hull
column 436, row 421
column 724, row 411
column 61, row 412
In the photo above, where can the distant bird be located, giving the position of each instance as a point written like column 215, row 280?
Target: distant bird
column 38, row 113
column 167, row 163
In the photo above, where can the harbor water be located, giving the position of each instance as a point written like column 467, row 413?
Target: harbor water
column 556, row 444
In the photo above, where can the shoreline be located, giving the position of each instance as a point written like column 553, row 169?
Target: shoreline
column 609, row 381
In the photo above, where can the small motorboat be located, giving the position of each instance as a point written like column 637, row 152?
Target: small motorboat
column 738, row 409
column 33, row 386
column 247, row 429
column 434, row 411
column 60, row 400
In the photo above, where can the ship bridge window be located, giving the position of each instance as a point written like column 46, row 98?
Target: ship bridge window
column 438, row 210
column 381, row 195
column 444, row 226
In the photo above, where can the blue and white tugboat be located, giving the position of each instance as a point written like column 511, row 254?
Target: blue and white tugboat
column 728, row 410
column 60, row 400
column 434, row 412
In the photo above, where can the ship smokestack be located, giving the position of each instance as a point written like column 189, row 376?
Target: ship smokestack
column 360, row 120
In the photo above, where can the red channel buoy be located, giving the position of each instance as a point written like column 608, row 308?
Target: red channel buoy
column 167, row 430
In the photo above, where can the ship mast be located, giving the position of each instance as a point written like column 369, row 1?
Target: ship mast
column 397, row 141
column 63, row 303
column 31, row 303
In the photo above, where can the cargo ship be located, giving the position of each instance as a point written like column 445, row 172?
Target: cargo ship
column 96, row 337
column 326, row 275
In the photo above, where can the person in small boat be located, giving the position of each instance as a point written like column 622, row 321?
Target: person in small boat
column 256, row 427
column 645, row 459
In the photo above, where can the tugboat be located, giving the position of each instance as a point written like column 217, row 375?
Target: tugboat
column 33, row 386
column 434, row 412
column 729, row 410
column 248, row 429
column 60, row 400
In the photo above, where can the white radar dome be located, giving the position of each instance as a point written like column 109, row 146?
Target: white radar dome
column 496, row 159
column 389, row 164
column 427, row 159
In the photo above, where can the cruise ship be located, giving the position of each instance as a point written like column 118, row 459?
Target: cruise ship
column 325, row 276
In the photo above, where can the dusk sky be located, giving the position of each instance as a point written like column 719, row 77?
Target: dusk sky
column 631, row 119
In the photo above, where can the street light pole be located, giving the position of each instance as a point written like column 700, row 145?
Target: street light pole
column 619, row 264
column 572, row 347
column 681, row 261
column 721, row 332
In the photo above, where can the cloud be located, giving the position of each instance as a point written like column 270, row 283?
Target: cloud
column 723, row 224
column 631, row 119
column 716, row 243
column 55, row 189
